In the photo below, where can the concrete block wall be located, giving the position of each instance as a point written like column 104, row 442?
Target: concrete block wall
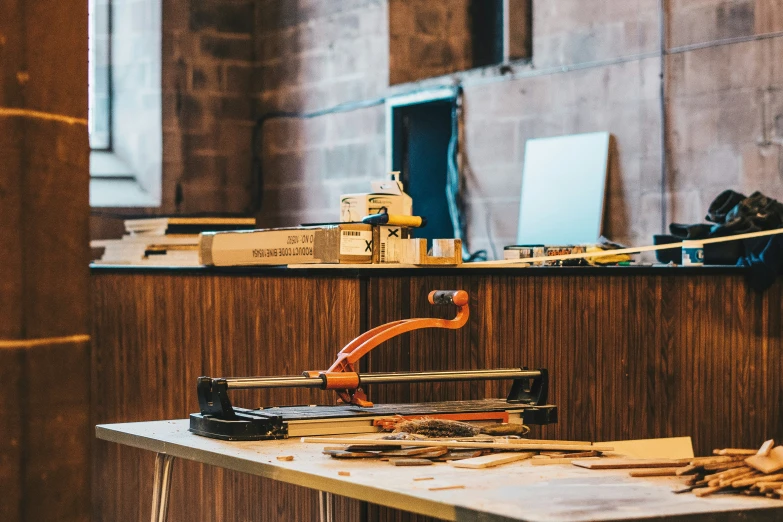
column 208, row 113
column 593, row 69
column 596, row 66
column 724, row 103
column 312, row 55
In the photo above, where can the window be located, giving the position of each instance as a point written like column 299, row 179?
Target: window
column 430, row 38
column 100, row 75
column 125, row 103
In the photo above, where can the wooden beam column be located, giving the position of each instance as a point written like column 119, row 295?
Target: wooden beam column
column 44, row 206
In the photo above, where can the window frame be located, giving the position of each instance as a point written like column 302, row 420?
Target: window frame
column 127, row 174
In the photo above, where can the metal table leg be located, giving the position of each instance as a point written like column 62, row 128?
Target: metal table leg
column 161, row 487
column 325, row 507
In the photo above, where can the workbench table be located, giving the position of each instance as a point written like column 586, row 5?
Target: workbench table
column 516, row 491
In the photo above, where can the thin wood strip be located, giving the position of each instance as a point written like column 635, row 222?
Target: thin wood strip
column 730, row 480
column 735, row 452
column 734, row 472
column 563, row 460
column 724, row 465
column 631, row 250
column 687, row 469
column 654, row 472
column 455, row 444
column 703, row 492
column 627, row 463
column 739, row 483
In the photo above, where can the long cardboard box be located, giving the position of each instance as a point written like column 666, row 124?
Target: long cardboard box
column 343, row 243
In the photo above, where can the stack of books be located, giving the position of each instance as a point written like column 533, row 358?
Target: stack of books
column 164, row 241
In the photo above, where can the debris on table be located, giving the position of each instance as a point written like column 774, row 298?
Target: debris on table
column 411, row 462
column 734, row 470
column 344, row 473
column 286, row 458
column 450, row 428
column 437, row 428
column 410, row 449
column 442, row 488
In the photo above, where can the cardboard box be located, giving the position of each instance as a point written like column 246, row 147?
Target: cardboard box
column 389, row 194
column 388, row 243
column 343, row 243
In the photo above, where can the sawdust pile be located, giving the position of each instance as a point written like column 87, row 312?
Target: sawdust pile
column 437, row 428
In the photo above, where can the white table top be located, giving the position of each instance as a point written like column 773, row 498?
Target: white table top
column 515, row 491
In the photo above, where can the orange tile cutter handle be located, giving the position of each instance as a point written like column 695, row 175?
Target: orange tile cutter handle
column 343, row 377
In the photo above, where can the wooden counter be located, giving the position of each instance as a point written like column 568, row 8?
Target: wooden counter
column 632, row 353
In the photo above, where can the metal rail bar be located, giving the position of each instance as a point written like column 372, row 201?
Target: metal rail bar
column 245, row 383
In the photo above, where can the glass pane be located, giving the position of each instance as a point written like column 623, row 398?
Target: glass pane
column 99, row 74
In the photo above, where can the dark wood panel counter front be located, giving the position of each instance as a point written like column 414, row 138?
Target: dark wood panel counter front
column 632, row 352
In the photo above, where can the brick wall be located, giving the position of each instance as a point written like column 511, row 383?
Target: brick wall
column 595, row 66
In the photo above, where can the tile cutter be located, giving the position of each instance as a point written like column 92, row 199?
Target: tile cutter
column 354, row 413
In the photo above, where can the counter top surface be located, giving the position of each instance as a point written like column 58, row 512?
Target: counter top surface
column 407, row 270
column 515, row 491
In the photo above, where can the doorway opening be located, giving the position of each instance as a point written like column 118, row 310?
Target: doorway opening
column 420, row 144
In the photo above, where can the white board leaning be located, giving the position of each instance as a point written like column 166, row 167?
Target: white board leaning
column 563, row 185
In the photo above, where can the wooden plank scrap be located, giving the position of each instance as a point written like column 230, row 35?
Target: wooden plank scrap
column 724, row 465
column 740, row 483
column 352, row 455
column 660, row 448
column 728, row 473
column 703, row 492
column 490, row 461
column 579, row 454
column 611, row 463
column 700, row 461
column 442, row 488
column 411, row 462
column 767, row 463
column 551, row 441
column 683, row 489
column 730, row 480
column 432, row 454
column 564, row 460
column 687, row 470
column 768, row 487
column 766, row 448
column 458, row 455
column 411, row 452
column 735, row 452
column 373, row 447
column 654, row 472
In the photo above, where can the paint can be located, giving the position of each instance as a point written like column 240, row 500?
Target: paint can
column 523, row 251
column 692, row 253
